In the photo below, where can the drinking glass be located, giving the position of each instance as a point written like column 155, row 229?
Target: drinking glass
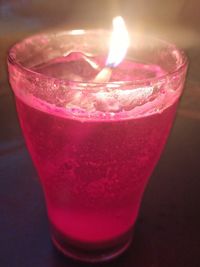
column 94, row 145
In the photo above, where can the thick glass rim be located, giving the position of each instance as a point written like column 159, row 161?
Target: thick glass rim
column 11, row 58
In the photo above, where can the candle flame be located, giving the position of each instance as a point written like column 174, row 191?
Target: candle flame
column 119, row 43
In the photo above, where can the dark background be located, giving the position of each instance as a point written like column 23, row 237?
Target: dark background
column 167, row 232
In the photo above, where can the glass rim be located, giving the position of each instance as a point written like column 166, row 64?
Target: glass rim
column 138, row 82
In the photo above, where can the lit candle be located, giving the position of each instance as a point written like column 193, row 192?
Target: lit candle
column 95, row 138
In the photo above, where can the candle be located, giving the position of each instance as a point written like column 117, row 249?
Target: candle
column 95, row 136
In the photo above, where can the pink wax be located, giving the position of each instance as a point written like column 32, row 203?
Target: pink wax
column 94, row 164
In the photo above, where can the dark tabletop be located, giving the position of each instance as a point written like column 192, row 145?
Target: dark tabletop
column 167, row 232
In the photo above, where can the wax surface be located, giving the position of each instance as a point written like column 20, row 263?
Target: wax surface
column 94, row 171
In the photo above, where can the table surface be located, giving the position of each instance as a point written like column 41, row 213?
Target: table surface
column 167, row 230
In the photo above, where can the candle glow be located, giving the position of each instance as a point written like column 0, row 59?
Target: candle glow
column 119, row 43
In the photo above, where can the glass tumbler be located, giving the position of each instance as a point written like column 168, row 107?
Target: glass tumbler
column 94, row 145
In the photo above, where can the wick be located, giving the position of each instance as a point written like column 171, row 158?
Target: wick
column 103, row 76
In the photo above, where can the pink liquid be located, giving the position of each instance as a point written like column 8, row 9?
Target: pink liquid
column 93, row 170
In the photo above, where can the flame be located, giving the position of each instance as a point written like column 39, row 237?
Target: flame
column 119, row 42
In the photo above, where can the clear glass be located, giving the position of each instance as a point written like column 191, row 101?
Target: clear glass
column 94, row 145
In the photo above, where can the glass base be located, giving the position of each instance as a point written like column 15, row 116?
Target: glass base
column 91, row 253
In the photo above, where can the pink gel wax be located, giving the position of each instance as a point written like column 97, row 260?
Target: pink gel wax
column 94, row 160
